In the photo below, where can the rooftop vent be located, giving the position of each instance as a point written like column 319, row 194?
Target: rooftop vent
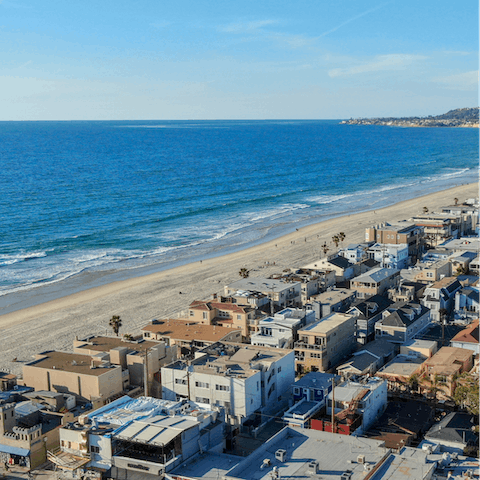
column 346, row 475
column 361, row 459
column 281, row 455
column 312, row 467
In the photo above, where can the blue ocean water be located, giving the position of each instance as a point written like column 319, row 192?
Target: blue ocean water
column 89, row 197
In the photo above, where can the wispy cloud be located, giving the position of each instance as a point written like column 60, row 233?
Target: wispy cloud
column 459, row 81
column 246, row 27
column 25, row 64
column 356, row 17
column 379, row 63
column 160, row 24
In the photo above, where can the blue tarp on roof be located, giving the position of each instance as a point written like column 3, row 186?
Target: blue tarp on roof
column 22, row 452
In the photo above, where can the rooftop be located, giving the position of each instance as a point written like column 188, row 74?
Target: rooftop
column 261, row 284
column 105, row 344
column 469, row 334
column 187, row 331
column 334, row 296
column 376, row 275
column 447, row 358
column 402, row 366
column 334, row 453
column 328, row 323
column 70, row 362
column 316, row 380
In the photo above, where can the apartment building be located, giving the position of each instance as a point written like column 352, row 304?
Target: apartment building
column 245, row 380
column 82, row 375
column 439, row 227
column 280, row 331
column 322, row 344
column 397, row 234
column 333, row 300
column 389, row 255
column 441, row 296
column 432, row 271
column 344, row 269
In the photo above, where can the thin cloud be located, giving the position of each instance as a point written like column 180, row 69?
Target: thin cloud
column 25, row 64
column 459, row 81
column 160, row 24
column 379, row 63
column 246, row 27
column 350, row 20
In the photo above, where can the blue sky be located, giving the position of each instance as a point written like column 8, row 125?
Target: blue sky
column 165, row 59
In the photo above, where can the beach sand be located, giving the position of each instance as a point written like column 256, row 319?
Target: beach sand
column 54, row 325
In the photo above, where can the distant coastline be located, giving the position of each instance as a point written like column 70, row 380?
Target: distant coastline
column 459, row 118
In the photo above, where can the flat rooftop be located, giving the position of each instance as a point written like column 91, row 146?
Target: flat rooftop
column 69, row 362
column 105, row 344
column 208, row 466
column 327, row 323
column 261, row 284
column 188, row 332
column 402, row 365
column 332, row 451
column 333, row 296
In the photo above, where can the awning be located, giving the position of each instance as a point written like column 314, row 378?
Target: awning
column 21, row 452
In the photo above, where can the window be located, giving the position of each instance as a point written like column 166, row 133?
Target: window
column 146, row 334
column 296, row 390
column 94, row 449
column 204, row 315
column 223, row 388
column 192, row 313
column 180, row 381
column 239, row 317
column 202, row 400
column 279, row 369
column 202, row 385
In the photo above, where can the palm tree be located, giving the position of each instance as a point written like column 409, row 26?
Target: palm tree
column 244, row 273
column 413, row 382
column 115, row 322
column 341, row 236
column 336, row 240
column 325, row 248
column 456, row 201
column 425, row 210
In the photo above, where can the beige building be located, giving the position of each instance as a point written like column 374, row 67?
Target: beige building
column 188, row 334
column 433, row 271
column 130, row 356
column 81, row 375
column 375, row 282
column 398, row 234
column 323, row 344
column 224, row 314
column 441, row 370
column 439, row 227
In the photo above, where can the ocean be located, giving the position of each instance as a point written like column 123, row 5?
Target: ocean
column 85, row 203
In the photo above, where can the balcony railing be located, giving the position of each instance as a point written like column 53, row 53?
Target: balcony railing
column 309, row 346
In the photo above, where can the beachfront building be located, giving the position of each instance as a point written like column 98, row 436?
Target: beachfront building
column 402, row 233
column 324, row 343
column 441, row 296
column 280, row 331
column 355, row 252
column 282, row 294
column 222, row 312
column 402, row 321
column 142, row 436
column 375, row 282
column 131, row 356
column 189, row 336
column 86, row 377
column 245, row 380
column 439, row 227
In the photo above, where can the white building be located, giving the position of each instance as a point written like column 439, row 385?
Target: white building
column 389, row 255
column 243, row 379
column 280, row 330
column 283, row 294
column 370, row 398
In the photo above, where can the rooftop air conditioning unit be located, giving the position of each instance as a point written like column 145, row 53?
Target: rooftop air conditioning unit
column 281, row 455
column 361, row 459
column 313, row 467
column 346, row 475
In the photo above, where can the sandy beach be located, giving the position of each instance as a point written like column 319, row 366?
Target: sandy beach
column 53, row 325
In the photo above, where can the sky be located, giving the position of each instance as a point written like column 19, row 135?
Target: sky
column 244, row 59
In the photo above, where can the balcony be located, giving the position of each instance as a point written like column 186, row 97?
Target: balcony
column 308, row 346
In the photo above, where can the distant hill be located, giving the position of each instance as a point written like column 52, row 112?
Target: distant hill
column 461, row 117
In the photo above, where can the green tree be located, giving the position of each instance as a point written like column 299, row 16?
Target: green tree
column 115, row 322
column 413, row 382
column 425, row 210
column 341, row 236
column 325, row 248
column 455, row 200
column 466, row 393
column 244, row 273
column 336, row 240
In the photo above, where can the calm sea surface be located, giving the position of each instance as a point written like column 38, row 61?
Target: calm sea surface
column 96, row 197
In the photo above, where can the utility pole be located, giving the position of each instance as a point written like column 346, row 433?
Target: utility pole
column 333, row 404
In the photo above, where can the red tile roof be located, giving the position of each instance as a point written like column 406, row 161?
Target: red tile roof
column 468, row 335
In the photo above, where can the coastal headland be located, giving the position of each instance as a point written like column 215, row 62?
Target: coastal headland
column 460, row 117
column 54, row 324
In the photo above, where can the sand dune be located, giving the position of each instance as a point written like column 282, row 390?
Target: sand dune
column 53, row 325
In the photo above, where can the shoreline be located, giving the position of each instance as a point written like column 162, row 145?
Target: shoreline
column 54, row 324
